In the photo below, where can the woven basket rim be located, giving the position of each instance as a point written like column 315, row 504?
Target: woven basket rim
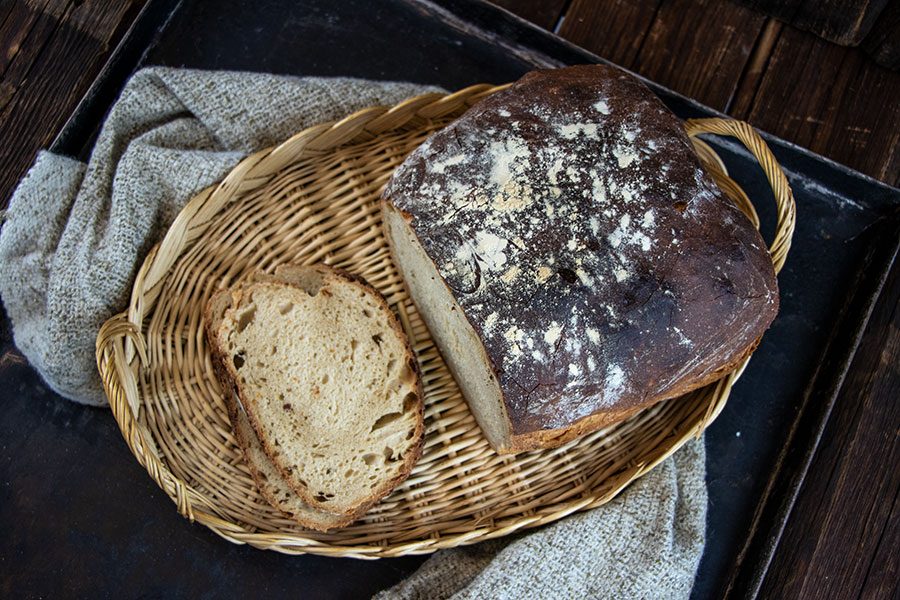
column 121, row 349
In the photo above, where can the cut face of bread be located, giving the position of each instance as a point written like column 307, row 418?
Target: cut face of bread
column 271, row 484
column 461, row 346
column 327, row 380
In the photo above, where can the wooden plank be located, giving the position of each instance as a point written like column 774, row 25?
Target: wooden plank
column 832, row 100
column 543, row 13
column 748, row 85
column 696, row 47
column 700, row 48
column 613, row 29
column 26, row 22
column 843, row 536
column 18, row 22
column 883, row 42
column 844, row 22
column 53, row 57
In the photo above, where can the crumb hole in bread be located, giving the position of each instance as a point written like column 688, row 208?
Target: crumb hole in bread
column 377, row 339
column 353, row 345
column 409, row 401
column 388, row 453
column 367, row 313
column 349, row 472
column 370, row 459
column 285, row 308
column 390, row 366
column 325, row 378
column 238, row 360
column 245, row 317
column 409, row 373
column 385, row 420
column 274, row 350
column 287, row 406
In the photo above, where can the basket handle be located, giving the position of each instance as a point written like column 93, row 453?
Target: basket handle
column 784, row 197
column 122, row 390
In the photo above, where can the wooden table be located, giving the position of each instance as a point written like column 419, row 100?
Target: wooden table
column 842, row 538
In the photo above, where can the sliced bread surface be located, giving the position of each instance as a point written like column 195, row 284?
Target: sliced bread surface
column 272, row 485
column 266, row 475
column 327, row 381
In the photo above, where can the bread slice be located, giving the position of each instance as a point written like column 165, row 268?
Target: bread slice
column 268, row 479
column 271, row 484
column 327, row 381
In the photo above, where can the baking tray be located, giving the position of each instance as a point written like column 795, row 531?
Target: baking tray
column 844, row 245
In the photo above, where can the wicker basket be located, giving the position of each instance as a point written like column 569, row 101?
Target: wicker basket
column 314, row 199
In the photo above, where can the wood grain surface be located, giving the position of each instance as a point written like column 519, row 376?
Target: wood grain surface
column 845, row 22
column 50, row 52
column 832, row 100
column 842, row 540
column 843, row 536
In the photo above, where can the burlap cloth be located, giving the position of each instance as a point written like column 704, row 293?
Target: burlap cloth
column 74, row 235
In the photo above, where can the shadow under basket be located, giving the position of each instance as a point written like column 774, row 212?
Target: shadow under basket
column 315, row 198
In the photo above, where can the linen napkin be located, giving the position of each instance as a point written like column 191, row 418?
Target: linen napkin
column 75, row 233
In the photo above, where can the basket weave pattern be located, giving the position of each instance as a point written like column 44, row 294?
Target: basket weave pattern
column 314, row 198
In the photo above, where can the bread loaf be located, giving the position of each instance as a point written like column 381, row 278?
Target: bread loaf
column 323, row 374
column 572, row 259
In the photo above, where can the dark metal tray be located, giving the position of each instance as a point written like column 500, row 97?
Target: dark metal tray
column 758, row 449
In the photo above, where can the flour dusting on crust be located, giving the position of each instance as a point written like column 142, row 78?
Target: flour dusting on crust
column 561, row 212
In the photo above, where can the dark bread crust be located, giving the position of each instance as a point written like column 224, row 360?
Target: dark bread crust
column 228, row 377
column 602, row 268
column 553, row 438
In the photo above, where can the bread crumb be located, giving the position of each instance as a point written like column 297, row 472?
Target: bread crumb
column 510, row 274
column 602, row 107
column 489, row 248
column 551, row 336
column 624, row 157
column 553, row 173
column 593, row 335
column 543, row 274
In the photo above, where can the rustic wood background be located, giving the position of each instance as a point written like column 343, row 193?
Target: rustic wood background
column 842, row 539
